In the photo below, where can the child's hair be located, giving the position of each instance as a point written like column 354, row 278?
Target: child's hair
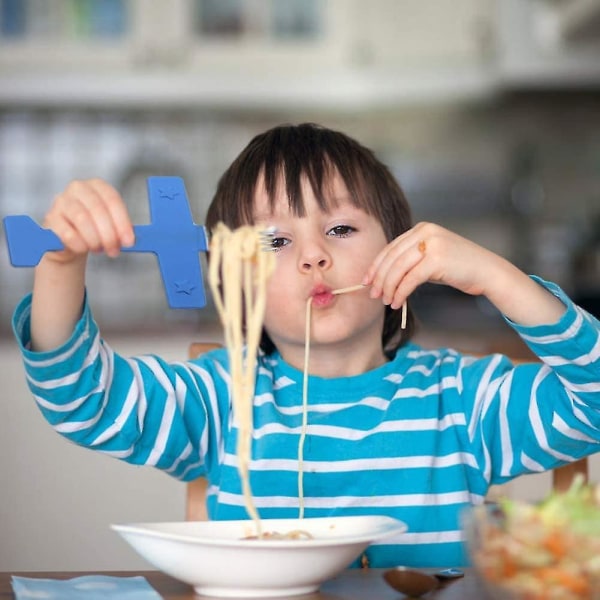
column 287, row 153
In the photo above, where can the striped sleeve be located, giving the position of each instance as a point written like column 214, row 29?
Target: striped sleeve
column 534, row 417
column 142, row 410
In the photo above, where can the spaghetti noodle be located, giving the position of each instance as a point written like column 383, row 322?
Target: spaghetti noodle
column 304, row 410
column 344, row 290
column 238, row 272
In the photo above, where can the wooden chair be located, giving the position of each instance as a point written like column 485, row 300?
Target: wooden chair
column 562, row 477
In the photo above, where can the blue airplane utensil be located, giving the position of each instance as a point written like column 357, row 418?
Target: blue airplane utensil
column 172, row 235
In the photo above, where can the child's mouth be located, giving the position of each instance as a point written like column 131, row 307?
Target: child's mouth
column 322, row 297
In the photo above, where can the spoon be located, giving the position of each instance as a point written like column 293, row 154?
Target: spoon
column 414, row 583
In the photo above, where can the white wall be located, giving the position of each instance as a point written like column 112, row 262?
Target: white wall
column 57, row 500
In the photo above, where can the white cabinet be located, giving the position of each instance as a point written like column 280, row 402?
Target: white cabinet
column 243, row 53
column 64, row 35
column 548, row 43
column 432, row 34
column 438, row 50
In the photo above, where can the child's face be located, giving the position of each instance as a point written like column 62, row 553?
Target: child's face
column 316, row 254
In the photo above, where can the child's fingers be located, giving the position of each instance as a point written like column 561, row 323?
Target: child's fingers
column 397, row 255
column 85, row 211
column 395, row 245
column 70, row 220
column 393, row 275
column 432, row 254
column 396, row 248
column 82, row 216
column 396, row 275
column 414, row 277
column 375, row 274
column 117, row 210
column 69, row 235
column 96, row 201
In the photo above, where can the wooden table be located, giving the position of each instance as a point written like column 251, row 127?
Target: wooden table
column 355, row 584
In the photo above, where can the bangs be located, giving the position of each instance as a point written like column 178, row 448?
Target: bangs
column 317, row 156
column 288, row 179
column 284, row 156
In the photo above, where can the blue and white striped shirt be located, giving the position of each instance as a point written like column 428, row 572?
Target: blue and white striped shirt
column 419, row 438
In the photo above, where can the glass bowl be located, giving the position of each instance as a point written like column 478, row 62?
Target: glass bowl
column 519, row 552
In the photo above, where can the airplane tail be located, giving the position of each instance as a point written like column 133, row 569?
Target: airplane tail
column 27, row 241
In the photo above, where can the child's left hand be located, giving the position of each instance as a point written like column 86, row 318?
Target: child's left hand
column 431, row 253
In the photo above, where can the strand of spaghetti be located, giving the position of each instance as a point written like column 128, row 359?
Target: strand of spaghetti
column 233, row 288
column 304, row 410
column 238, row 272
column 254, row 277
column 360, row 286
column 244, row 409
column 345, row 290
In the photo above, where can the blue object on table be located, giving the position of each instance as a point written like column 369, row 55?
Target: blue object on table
column 172, row 236
column 88, row 587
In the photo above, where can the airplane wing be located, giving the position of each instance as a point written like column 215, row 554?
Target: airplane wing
column 176, row 240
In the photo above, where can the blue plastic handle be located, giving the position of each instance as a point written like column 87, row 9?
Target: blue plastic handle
column 172, row 235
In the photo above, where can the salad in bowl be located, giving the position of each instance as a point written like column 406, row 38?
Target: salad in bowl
column 543, row 551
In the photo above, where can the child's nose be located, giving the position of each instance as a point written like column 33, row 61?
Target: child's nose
column 314, row 258
column 322, row 263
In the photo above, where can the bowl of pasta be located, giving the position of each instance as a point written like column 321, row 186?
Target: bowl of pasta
column 523, row 551
column 228, row 559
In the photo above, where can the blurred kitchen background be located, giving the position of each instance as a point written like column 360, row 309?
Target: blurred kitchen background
column 488, row 112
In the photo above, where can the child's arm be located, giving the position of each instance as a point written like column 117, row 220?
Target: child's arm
column 88, row 216
column 430, row 253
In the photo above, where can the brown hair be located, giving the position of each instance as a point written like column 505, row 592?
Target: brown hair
column 289, row 152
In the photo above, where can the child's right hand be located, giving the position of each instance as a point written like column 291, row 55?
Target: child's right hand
column 89, row 216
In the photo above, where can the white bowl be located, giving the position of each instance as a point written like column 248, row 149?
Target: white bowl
column 213, row 557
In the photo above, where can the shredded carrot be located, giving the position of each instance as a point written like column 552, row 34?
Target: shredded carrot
column 555, row 543
column 572, row 582
column 509, row 567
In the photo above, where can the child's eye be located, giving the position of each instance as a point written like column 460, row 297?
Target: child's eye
column 341, row 231
column 278, row 243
